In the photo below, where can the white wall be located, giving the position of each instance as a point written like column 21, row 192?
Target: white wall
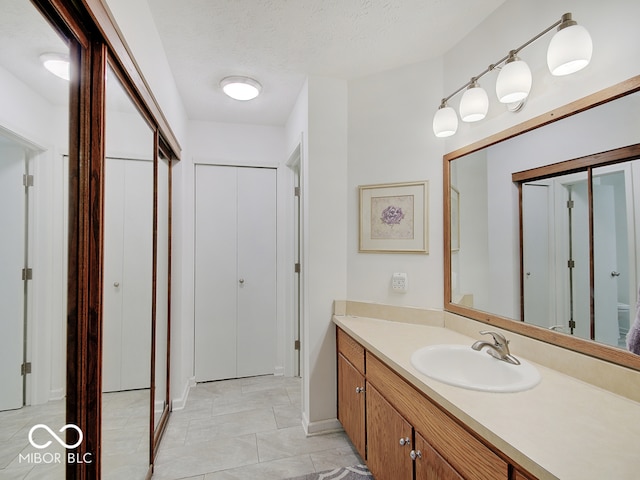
column 391, row 140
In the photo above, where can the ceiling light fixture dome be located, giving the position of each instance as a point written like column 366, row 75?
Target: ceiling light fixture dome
column 241, row 88
column 56, row 63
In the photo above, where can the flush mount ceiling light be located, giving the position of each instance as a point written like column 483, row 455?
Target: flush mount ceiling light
column 56, row 63
column 240, row 88
column 569, row 51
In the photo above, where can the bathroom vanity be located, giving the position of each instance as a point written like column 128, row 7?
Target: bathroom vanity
column 406, row 425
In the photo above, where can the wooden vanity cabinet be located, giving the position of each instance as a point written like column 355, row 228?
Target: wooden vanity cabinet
column 407, row 436
column 389, row 439
column 351, row 391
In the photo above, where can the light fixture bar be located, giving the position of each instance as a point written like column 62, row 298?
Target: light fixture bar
column 566, row 18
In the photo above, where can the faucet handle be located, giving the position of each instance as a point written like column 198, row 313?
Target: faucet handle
column 498, row 338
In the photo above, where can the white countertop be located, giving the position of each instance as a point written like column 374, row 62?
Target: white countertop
column 563, row 428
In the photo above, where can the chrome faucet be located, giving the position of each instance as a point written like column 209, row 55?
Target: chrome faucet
column 499, row 349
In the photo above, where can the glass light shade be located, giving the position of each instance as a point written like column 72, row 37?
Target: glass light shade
column 240, row 88
column 569, row 51
column 445, row 122
column 56, row 63
column 474, row 104
column 514, row 82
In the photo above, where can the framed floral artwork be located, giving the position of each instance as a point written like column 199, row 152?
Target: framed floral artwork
column 393, row 217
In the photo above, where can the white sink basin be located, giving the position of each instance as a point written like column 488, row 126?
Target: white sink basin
column 464, row 367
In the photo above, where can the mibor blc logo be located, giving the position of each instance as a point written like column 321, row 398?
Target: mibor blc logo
column 54, row 457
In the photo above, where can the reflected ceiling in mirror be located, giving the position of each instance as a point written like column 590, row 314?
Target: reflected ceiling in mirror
column 483, row 264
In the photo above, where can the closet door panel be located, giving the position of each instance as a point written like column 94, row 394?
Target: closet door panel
column 256, row 271
column 137, row 275
column 112, row 275
column 215, row 273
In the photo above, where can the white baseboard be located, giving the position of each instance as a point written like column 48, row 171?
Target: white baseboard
column 57, row 394
column 278, row 372
column 322, row 427
column 180, row 402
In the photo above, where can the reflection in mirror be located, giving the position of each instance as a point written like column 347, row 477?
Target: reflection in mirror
column 127, row 287
column 33, row 245
column 485, row 263
column 555, row 253
column 162, row 294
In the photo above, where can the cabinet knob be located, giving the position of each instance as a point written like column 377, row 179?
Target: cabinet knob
column 405, row 441
column 359, row 389
column 415, row 454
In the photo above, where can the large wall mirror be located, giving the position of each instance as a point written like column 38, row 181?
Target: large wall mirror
column 34, row 147
column 541, row 226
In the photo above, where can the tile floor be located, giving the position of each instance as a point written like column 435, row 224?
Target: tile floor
column 229, row 430
column 246, row 429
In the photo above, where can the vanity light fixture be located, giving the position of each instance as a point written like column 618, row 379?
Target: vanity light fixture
column 569, row 51
column 241, row 88
column 474, row 103
column 56, row 63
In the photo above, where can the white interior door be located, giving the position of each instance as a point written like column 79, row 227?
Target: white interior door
column 235, row 272
column 215, row 273
column 12, row 246
column 604, row 263
column 539, row 307
column 579, row 240
column 256, row 326
column 127, row 276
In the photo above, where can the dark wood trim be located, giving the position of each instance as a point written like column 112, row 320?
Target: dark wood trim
column 603, row 352
column 581, row 164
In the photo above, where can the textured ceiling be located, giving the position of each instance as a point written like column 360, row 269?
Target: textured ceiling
column 281, row 42
column 278, row 42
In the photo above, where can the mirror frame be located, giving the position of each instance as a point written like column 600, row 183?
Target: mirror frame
column 600, row 351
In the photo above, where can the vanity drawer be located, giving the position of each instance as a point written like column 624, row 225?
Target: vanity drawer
column 351, row 350
column 463, row 451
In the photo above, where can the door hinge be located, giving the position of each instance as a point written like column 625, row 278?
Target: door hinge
column 569, row 203
column 296, row 191
column 571, row 264
column 27, row 180
column 27, row 273
column 296, row 345
column 296, row 268
column 572, row 324
column 25, row 368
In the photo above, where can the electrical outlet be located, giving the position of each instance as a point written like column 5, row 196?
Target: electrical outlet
column 399, row 282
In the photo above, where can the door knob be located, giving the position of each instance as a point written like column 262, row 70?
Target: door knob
column 241, row 281
column 615, row 274
column 116, row 284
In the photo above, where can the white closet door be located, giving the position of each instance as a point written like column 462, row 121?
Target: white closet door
column 12, row 245
column 235, row 274
column 257, row 267
column 215, row 272
column 128, row 270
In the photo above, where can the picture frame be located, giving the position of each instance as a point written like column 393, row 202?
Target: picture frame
column 455, row 219
column 394, row 218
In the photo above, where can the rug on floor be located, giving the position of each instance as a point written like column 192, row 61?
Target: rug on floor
column 357, row 472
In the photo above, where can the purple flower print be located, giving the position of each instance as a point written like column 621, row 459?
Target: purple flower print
column 392, row 215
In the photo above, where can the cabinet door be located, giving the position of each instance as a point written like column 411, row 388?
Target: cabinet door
column 430, row 465
column 351, row 403
column 388, row 452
